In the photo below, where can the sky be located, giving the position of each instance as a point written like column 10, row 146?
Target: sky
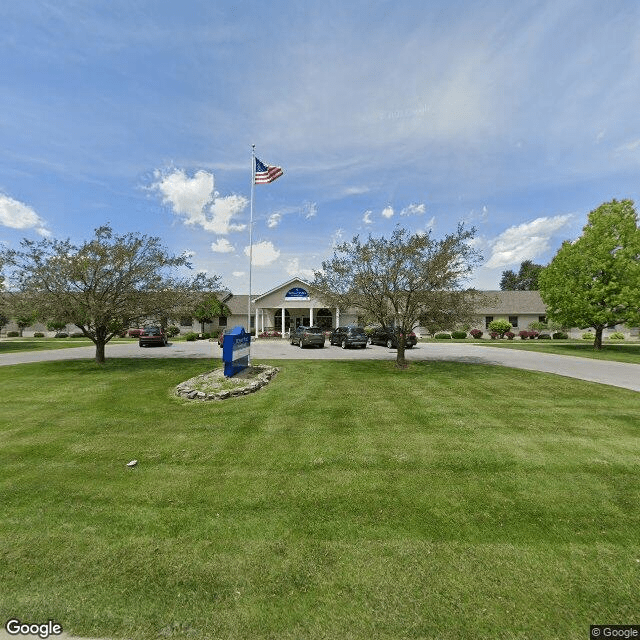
column 516, row 119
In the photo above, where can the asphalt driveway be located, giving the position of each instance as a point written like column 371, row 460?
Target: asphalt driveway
column 618, row 374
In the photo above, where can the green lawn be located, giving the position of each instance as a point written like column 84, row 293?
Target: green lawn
column 12, row 345
column 615, row 351
column 344, row 500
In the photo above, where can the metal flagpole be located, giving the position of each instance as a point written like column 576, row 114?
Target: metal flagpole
column 253, row 184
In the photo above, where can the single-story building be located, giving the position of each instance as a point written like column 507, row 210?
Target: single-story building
column 291, row 305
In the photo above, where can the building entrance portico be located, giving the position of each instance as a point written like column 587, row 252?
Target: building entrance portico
column 290, row 306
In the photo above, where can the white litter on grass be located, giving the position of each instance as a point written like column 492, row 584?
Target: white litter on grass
column 132, row 464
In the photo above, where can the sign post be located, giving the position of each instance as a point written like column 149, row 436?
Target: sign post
column 236, row 346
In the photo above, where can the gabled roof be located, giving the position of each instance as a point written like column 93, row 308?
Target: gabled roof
column 511, row 303
column 288, row 283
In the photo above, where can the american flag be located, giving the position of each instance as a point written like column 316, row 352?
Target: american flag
column 266, row 173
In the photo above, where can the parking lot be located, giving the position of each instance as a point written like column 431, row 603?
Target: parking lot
column 618, row 374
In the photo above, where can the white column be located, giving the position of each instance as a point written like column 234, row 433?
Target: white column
column 311, row 316
column 282, row 325
column 255, row 325
column 337, row 317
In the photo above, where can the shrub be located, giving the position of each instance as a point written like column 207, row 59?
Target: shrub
column 459, row 335
column 13, row 334
column 61, row 334
column 500, row 327
column 38, row 334
column 544, row 336
column 191, row 336
column 616, row 336
column 476, row 333
column 523, row 334
column 559, row 335
column 134, row 333
column 588, row 336
column 172, row 331
column 274, row 334
column 442, row 336
column 77, row 334
column 509, row 335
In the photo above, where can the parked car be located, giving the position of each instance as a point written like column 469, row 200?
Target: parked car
column 349, row 337
column 151, row 336
column 305, row 336
column 389, row 338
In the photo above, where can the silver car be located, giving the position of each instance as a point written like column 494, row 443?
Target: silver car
column 306, row 336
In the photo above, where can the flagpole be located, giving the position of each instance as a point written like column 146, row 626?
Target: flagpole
column 253, row 184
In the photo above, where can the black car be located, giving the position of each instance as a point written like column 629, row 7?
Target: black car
column 389, row 338
column 349, row 337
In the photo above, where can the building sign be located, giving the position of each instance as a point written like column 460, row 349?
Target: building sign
column 297, row 293
column 235, row 351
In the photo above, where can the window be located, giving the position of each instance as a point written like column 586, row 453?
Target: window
column 222, row 321
column 542, row 319
column 513, row 321
column 487, row 321
column 186, row 322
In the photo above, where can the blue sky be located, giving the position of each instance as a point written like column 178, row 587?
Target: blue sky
column 516, row 118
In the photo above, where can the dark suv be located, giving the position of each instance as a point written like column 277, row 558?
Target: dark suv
column 349, row 337
column 304, row 336
column 389, row 338
column 152, row 335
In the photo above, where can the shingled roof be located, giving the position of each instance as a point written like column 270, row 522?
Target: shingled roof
column 511, row 303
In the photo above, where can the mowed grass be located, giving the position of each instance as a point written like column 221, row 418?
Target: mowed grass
column 344, row 500
column 13, row 345
column 618, row 352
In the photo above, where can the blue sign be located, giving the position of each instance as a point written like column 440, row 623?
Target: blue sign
column 235, row 351
column 297, row 293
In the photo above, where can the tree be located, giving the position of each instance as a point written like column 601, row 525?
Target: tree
column 399, row 280
column 209, row 308
column 104, row 285
column 525, row 280
column 595, row 281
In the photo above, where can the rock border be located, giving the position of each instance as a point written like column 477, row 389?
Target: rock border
column 255, row 377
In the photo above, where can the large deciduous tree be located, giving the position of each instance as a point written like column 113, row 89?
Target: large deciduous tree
column 595, row 281
column 525, row 280
column 106, row 284
column 401, row 280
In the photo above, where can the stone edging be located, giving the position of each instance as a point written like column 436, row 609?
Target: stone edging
column 207, row 385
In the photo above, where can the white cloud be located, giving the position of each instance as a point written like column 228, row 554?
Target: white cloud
column 274, row 220
column 630, row 145
column 238, row 274
column 293, row 269
column 223, row 210
column 310, row 210
column 387, row 212
column 222, row 246
column 430, row 225
column 337, row 237
column 195, row 200
column 524, row 241
column 366, row 218
column 16, row 215
column 413, row 210
column 264, row 253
